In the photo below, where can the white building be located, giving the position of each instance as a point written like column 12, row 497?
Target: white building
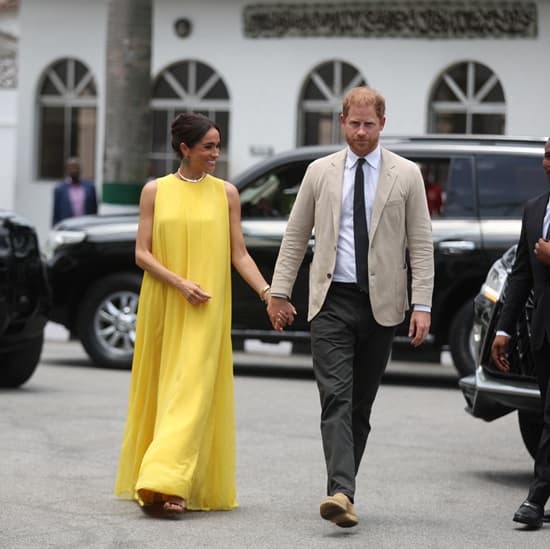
column 272, row 75
column 8, row 101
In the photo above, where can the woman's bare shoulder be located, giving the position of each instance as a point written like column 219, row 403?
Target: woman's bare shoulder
column 230, row 189
column 149, row 190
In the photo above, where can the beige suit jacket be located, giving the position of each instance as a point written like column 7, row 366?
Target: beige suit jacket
column 400, row 220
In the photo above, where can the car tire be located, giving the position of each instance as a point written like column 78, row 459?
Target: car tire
column 18, row 365
column 460, row 339
column 530, row 426
column 237, row 343
column 301, row 347
column 106, row 320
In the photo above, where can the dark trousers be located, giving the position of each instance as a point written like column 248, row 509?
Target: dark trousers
column 539, row 492
column 350, row 351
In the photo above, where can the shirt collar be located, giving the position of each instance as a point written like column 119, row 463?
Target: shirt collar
column 373, row 158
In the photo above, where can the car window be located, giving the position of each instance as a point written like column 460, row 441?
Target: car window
column 273, row 194
column 449, row 187
column 460, row 201
column 506, row 182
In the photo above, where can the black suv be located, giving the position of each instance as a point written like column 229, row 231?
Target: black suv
column 491, row 393
column 24, row 300
column 475, row 186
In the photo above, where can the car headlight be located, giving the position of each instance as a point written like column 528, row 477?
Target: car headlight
column 60, row 238
column 494, row 283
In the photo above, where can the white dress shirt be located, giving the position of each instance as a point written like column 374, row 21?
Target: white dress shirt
column 344, row 270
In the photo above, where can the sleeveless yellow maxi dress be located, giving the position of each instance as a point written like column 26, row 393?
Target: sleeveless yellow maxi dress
column 180, row 430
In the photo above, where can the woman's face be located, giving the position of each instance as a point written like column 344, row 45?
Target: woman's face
column 203, row 155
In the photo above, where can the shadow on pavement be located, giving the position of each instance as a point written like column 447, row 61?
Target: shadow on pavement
column 516, row 479
column 414, row 379
column 291, row 366
column 81, row 362
column 420, row 380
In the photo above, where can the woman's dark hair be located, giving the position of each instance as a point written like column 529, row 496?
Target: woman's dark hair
column 190, row 128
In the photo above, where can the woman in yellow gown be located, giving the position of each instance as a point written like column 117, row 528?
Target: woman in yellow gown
column 179, row 443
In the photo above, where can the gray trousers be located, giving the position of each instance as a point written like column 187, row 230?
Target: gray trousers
column 350, row 351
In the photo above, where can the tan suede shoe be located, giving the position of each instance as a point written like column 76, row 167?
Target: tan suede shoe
column 339, row 509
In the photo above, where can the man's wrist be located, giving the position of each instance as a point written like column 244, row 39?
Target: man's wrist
column 277, row 295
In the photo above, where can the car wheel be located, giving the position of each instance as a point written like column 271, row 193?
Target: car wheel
column 461, row 339
column 301, row 347
column 107, row 320
column 237, row 343
column 530, row 426
column 18, row 365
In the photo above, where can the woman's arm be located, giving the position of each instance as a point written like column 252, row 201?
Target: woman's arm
column 241, row 260
column 144, row 255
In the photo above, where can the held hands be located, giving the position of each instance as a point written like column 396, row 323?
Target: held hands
column 542, row 251
column 499, row 349
column 193, row 292
column 281, row 313
column 419, row 327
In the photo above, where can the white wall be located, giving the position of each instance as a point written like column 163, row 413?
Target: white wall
column 8, row 118
column 264, row 76
column 9, row 21
column 50, row 31
column 8, row 135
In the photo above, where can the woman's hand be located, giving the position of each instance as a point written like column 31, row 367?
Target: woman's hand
column 193, row 292
column 281, row 313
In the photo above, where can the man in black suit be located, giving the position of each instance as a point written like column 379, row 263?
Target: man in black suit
column 531, row 271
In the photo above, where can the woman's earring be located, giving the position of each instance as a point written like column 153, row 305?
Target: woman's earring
column 185, row 161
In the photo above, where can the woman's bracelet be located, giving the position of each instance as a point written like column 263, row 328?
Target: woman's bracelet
column 264, row 291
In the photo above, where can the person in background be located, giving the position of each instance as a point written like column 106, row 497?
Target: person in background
column 531, row 271
column 73, row 196
column 178, row 449
column 366, row 207
column 434, row 192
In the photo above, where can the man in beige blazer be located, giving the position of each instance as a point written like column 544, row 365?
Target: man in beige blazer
column 366, row 207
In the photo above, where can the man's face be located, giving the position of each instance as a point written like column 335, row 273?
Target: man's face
column 73, row 170
column 546, row 159
column 362, row 128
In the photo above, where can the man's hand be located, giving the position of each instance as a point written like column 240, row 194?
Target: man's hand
column 281, row 313
column 419, row 327
column 542, row 251
column 499, row 349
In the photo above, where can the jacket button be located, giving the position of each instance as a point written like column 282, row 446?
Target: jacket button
column 329, row 275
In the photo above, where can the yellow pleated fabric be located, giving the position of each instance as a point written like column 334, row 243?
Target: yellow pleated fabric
column 180, row 431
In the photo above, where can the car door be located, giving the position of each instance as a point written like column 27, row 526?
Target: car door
column 458, row 254
column 266, row 201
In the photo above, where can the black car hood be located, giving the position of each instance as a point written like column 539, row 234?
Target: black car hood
column 7, row 216
column 87, row 221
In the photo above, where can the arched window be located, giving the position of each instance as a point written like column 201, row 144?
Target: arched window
column 321, row 102
column 67, row 119
column 188, row 86
column 467, row 98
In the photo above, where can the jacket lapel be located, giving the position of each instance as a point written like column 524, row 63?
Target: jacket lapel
column 534, row 231
column 335, row 180
column 383, row 189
